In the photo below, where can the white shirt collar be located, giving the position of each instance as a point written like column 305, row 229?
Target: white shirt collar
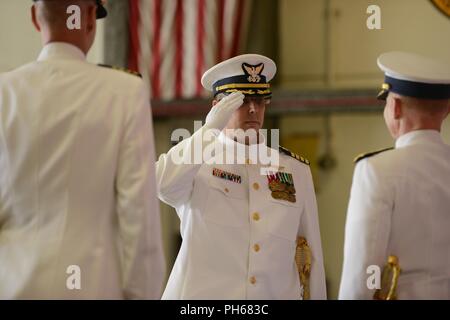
column 61, row 51
column 419, row 137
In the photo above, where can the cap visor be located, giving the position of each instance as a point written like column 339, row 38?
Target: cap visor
column 101, row 12
column 383, row 95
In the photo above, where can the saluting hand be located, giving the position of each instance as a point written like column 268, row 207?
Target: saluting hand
column 221, row 113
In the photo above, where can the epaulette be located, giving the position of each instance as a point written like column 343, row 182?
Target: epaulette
column 137, row 74
column 295, row 156
column 370, row 154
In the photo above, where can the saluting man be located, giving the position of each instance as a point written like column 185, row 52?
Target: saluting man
column 241, row 225
column 79, row 215
column 399, row 212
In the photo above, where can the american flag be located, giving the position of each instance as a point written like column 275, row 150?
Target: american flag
column 173, row 42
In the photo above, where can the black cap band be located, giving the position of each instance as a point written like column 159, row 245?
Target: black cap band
column 101, row 10
column 414, row 89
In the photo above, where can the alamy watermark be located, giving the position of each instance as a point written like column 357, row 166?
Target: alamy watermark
column 374, row 280
column 205, row 147
column 74, row 20
column 73, row 281
column 374, row 20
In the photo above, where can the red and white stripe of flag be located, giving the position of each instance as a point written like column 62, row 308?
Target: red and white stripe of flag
column 173, row 42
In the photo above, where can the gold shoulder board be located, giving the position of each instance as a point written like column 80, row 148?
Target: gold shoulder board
column 370, row 154
column 295, row 156
column 137, row 74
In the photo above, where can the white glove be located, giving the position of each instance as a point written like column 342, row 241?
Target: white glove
column 221, row 113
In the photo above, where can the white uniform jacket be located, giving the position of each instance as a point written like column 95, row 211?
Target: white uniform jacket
column 400, row 205
column 238, row 241
column 77, row 182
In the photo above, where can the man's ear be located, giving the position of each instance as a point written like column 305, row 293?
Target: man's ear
column 91, row 18
column 398, row 108
column 34, row 18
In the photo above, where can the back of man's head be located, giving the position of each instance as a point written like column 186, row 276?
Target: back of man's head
column 71, row 21
column 427, row 108
column 404, row 114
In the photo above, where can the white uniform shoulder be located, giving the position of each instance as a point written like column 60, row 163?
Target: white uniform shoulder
column 120, row 80
column 291, row 154
column 18, row 72
column 111, row 75
column 370, row 154
column 386, row 163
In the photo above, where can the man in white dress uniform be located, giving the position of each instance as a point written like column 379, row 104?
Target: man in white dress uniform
column 79, row 216
column 399, row 208
column 240, row 224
